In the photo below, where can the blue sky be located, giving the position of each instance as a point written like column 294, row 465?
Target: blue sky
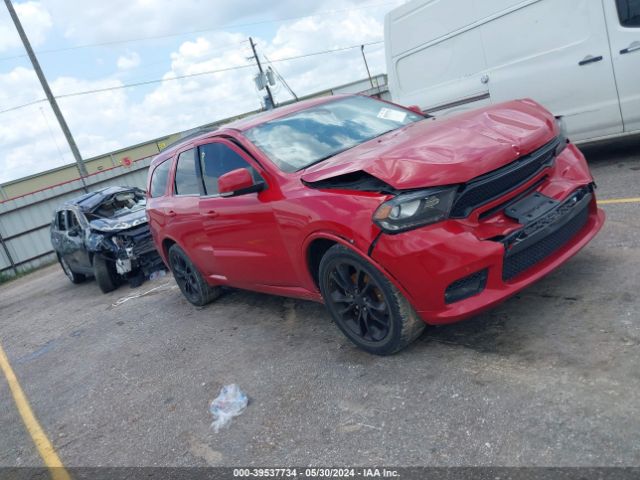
column 95, row 44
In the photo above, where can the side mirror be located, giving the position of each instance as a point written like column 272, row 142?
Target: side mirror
column 74, row 231
column 415, row 109
column 238, row 182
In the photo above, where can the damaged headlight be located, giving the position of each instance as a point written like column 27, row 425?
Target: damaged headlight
column 415, row 209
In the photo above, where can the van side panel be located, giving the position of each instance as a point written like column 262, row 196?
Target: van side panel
column 434, row 58
column 535, row 52
column 449, row 57
column 624, row 43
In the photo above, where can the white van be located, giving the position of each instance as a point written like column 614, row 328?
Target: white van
column 579, row 58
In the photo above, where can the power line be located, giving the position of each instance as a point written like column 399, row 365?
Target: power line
column 206, row 30
column 190, row 75
column 284, row 82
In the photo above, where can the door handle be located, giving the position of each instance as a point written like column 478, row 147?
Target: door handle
column 212, row 214
column 589, row 59
column 635, row 46
column 171, row 213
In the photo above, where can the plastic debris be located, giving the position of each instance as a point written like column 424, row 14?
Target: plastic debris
column 157, row 274
column 230, row 403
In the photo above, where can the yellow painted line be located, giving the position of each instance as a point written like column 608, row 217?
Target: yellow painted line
column 619, row 200
column 42, row 443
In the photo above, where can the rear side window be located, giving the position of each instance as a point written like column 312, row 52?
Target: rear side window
column 159, row 179
column 629, row 13
column 72, row 220
column 216, row 159
column 187, row 181
column 61, row 220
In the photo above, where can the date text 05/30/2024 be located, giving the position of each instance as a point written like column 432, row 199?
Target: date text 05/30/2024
column 316, row 472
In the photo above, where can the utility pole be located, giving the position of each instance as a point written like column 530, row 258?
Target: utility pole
column 365, row 64
column 82, row 169
column 255, row 55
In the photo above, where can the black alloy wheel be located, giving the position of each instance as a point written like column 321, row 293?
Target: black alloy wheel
column 191, row 283
column 365, row 305
column 71, row 275
column 360, row 302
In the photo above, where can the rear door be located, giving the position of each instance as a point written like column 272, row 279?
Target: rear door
column 183, row 212
column 67, row 239
column 242, row 230
column 555, row 52
column 623, row 19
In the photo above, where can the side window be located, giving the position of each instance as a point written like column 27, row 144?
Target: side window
column 187, row 180
column 72, row 220
column 629, row 13
column 216, row 159
column 61, row 220
column 159, row 179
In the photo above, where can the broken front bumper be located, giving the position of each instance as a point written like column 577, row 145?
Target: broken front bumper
column 457, row 268
column 137, row 251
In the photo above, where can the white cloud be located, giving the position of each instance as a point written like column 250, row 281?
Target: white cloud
column 128, row 61
column 35, row 20
column 108, row 120
column 141, row 18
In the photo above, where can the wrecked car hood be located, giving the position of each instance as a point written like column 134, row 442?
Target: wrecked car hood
column 122, row 222
column 444, row 152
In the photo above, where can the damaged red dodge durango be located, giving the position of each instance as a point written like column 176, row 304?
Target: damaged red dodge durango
column 393, row 220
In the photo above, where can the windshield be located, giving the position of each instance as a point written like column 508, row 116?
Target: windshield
column 299, row 140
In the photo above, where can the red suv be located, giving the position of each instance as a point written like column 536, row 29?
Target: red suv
column 393, row 220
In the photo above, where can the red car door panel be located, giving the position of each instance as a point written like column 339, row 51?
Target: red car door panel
column 242, row 230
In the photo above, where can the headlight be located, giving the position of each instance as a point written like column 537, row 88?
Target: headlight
column 563, row 135
column 415, row 209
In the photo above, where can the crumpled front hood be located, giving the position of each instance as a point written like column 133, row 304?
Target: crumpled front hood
column 123, row 222
column 449, row 151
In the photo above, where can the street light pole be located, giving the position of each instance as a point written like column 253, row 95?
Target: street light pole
column 82, row 169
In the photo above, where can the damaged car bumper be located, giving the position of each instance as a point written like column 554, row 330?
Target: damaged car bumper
column 134, row 250
column 469, row 265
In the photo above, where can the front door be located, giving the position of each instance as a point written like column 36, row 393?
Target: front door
column 242, row 230
column 623, row 19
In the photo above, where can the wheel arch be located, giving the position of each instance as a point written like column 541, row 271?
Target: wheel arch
column 316, row 245
column 167, row 243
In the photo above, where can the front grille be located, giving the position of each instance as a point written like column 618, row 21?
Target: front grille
column 140, row 238
column 143, row 246
column 517, row 263
column 486, row 188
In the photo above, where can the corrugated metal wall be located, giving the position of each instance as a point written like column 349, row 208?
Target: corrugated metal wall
column 24, row 221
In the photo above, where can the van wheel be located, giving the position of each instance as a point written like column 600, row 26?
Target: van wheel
column 71, row 275
column 366, row 306
column 105, row 273
column 192, row 285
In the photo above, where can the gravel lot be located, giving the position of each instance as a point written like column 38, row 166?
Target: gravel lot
column 549, row 378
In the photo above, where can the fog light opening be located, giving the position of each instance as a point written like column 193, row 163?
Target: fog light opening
column 466, row 287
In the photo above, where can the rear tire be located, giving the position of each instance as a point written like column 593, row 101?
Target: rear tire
column 191, row 282
column 71, row 275
column 105, row 273
column 365, row 305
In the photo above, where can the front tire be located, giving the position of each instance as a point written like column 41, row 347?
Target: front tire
column 365, row 305
column 191, row 282
column 105, row 273
column 71, row 275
